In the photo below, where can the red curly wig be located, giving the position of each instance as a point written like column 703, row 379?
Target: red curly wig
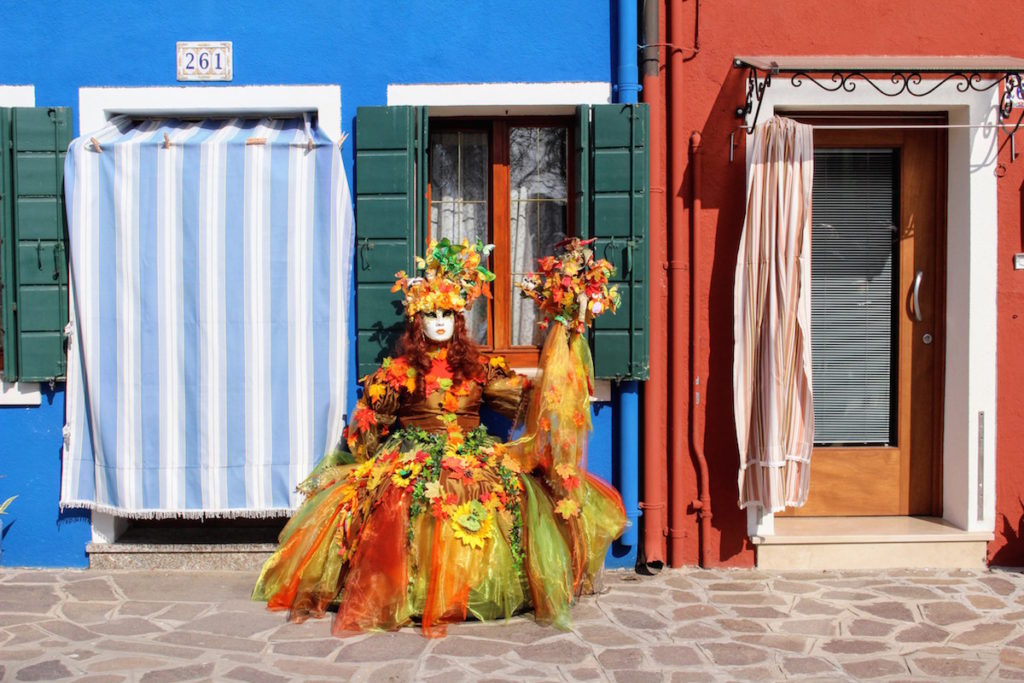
column 463, row 358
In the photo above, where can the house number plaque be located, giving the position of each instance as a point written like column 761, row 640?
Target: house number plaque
column 204, row 61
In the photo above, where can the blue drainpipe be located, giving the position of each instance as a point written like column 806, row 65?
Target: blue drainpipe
column 627, row 88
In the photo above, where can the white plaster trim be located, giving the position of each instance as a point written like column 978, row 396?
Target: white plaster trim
column 19, row 393
column 488, row 99
column 96, row 106
column 972, row 227
column 17, row 95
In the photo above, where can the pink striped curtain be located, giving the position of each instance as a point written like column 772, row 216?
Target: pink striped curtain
column 772, row 388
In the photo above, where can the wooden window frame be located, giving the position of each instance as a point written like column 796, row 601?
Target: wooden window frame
column 499, row 332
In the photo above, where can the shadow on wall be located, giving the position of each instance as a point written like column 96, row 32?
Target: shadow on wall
column 1012, row 552
column 723, row 201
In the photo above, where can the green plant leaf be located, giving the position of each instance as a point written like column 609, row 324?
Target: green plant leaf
column 6, row 503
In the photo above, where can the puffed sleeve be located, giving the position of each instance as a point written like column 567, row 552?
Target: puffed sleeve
column 505, row 391
column 376, row 411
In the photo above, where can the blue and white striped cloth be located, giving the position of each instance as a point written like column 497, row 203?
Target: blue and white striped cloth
column 209, row 344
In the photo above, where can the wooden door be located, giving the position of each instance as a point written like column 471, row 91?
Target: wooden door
column 877, row 379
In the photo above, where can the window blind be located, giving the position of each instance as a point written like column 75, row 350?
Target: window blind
column 853, row 248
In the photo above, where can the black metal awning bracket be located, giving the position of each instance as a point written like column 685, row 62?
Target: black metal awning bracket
column 903, row 81
column 755, row 90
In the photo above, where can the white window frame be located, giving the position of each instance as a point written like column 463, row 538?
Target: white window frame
column 971, row 257
column 19, row 393
column 96, row 106
column 500, row 99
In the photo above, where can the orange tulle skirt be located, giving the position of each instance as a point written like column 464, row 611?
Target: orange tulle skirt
column 432, row 532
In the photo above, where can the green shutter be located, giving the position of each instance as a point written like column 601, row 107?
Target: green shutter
column 391, row 220
column 8, row 339
column 33, row 257
column 612, row 206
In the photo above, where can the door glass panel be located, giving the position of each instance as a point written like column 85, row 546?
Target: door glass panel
column 854, row 305
column 459, row 200
column 538, row 204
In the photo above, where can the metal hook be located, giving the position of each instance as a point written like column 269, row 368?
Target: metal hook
column 365, row 245
column 39, row 254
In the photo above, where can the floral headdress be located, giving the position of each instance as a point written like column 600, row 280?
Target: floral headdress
column 572, row 287
column 453, row 278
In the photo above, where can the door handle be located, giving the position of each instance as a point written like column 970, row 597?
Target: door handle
column 916, row 295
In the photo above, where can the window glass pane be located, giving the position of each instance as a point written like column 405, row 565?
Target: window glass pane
column 853, row 303
column 538, row 213
column 473, row 163
column 459, row 200
column 537, row 165
column 524, row 258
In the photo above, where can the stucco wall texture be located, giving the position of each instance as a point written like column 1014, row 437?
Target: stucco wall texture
column 59, row 47
column 712, row 91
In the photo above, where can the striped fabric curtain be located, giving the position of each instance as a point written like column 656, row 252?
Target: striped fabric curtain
column 774, row 407
column 209, row 344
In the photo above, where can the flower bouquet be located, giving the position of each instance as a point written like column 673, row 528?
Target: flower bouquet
column 572, row 287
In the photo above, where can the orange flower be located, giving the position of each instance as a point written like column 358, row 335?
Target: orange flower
column 579, row 418
column 545, row 424
column 363, row 418
column 450, row 403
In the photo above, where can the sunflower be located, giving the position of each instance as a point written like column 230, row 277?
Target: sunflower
column 405, row 474
column 472, row 523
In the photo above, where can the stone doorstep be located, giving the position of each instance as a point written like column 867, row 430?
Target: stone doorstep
column 227, row 556
column 869, row 543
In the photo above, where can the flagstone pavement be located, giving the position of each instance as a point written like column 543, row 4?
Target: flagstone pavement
column 681, row 625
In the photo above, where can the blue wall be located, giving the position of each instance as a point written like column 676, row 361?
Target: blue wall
column 363, row 46
column 34, row 531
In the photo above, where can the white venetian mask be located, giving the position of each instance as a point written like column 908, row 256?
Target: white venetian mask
column 439, row 325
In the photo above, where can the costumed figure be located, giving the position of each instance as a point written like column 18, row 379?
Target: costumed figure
column 426, row 517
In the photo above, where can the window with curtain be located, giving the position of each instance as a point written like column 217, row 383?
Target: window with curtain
column 504, row 181
column 854, row 246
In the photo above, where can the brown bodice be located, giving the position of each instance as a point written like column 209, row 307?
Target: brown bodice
column 425, row 413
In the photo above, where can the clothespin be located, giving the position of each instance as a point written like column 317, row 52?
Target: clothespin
column 95, row 145
column 309, row 144
column 167, row 141
column 341, row 140
column 256, row 141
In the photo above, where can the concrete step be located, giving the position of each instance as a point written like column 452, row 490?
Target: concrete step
column 869, row 543
column 222, row 544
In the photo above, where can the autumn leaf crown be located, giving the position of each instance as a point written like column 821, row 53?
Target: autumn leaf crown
column 453, row 278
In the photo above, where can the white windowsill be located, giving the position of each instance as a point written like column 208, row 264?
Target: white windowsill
column 20, row 394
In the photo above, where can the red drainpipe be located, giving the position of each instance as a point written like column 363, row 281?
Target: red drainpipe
column 656, row 387
column 699, row 397
column 678, row 285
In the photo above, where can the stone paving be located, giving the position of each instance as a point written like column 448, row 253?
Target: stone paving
column 681, row 625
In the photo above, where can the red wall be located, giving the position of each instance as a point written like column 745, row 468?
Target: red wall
column 713, row 89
